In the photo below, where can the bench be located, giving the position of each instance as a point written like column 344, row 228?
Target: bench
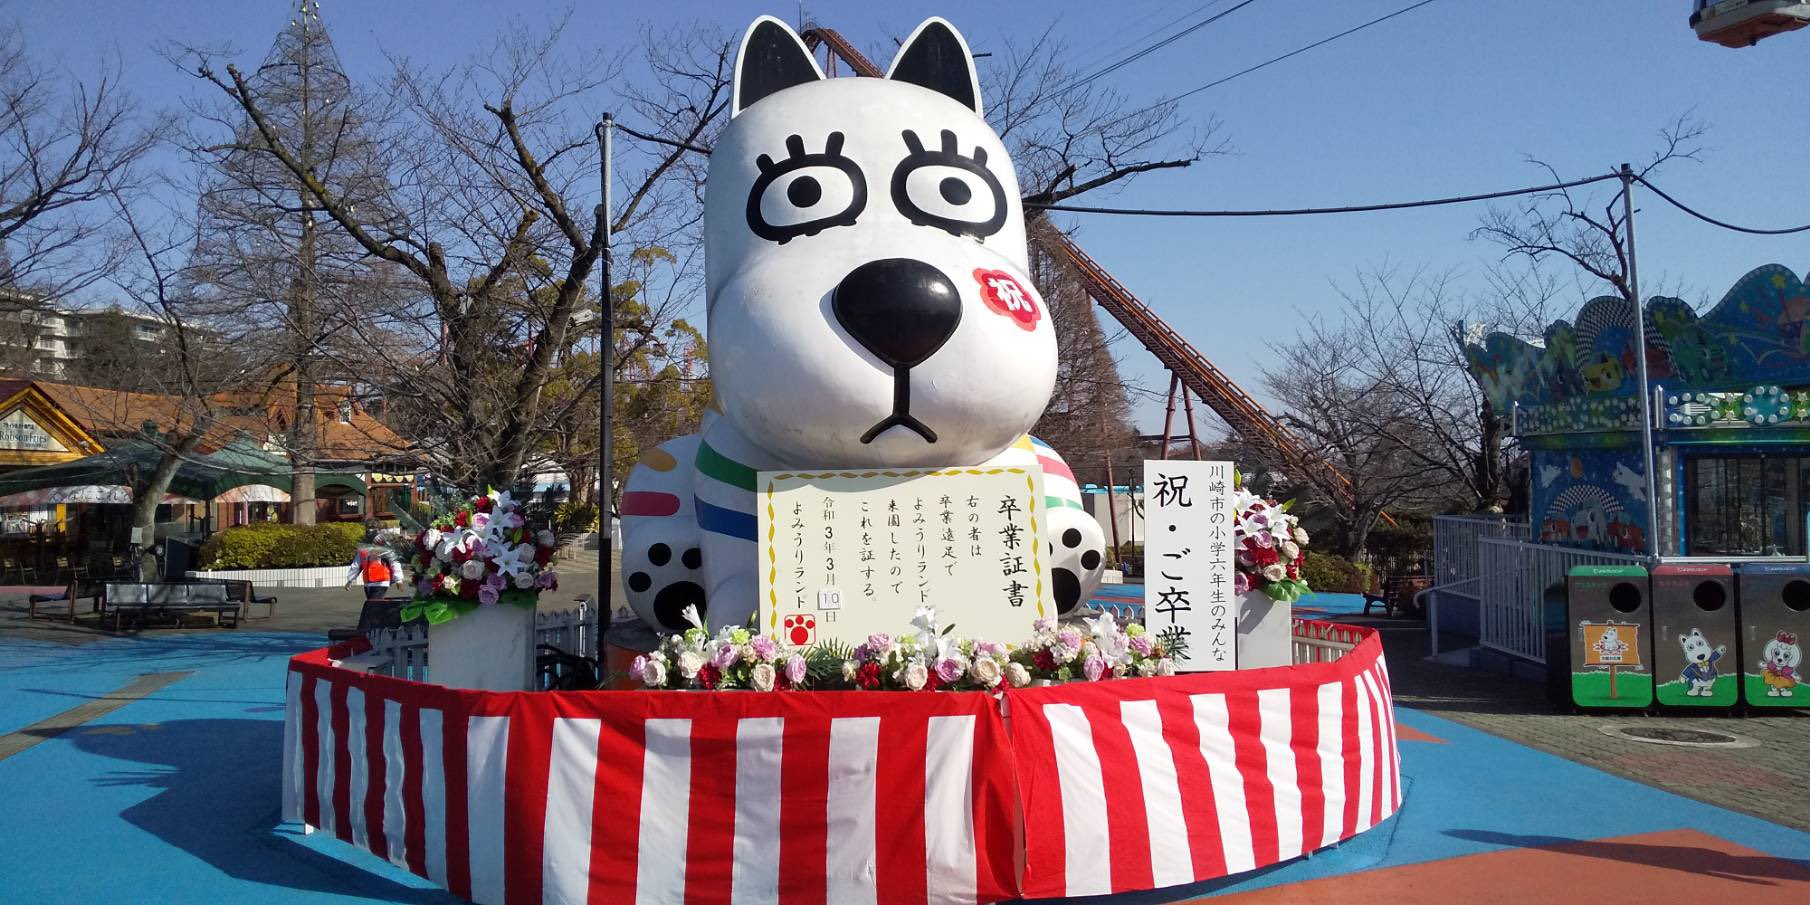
column 76, row 590
column 171, row 599
column 243, row 591
column 1397, row 594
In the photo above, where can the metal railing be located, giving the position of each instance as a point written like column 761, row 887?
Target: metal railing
column 1455, row 537
column 401, row 653
column 1512, row 581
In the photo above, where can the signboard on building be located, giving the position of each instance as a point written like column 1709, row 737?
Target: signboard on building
column 1188, row 583
column 848, row 554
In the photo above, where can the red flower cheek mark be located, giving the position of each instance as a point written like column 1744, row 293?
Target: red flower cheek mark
column 1007, row 297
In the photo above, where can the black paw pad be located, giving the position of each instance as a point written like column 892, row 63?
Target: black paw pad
column 1067, row 589
column 670, row 604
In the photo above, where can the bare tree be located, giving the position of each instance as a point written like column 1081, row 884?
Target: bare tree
column 1568, row 224
column 65, row 145
column 484, row 163
column 267, row 260
column 1353, row 419
column 184, row 410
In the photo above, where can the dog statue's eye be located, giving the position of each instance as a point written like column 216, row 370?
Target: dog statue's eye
column 946, row 190
column 805, row 194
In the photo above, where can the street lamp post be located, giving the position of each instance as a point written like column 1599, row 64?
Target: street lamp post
column 606, row 546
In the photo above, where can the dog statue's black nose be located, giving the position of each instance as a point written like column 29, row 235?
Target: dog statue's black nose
column 899, row 309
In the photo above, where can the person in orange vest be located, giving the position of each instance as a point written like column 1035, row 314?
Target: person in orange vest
column 377, row 567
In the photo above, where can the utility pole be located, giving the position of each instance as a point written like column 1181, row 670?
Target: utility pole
column 1640, row 359
column 606, row 349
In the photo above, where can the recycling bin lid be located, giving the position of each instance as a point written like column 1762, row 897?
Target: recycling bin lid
column 1607, row 571
column 1703, row 569
column 1776, row 568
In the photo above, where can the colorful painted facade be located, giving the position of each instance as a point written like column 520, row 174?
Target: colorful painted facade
column 1731, row 413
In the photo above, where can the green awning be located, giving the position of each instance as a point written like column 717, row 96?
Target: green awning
column 200, row 477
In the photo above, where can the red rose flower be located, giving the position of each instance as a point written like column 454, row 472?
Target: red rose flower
column 708, row 675
column 482, row 504
column 469, row 589
column 543, row 556
column 1044, row 660
column 463, row 519
column 868, row 676
column 931, row 683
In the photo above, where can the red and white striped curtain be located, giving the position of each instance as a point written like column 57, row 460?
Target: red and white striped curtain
column 1141, row 783
column 840, row 797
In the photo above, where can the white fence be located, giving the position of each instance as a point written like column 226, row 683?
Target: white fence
column 1455, row 537
column 1512, row 579
column 402, row 653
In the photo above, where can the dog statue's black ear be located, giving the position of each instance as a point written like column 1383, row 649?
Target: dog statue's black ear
column 772, row 58
column 936, row 57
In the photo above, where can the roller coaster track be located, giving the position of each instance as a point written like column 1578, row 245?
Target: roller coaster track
column 1243, row 414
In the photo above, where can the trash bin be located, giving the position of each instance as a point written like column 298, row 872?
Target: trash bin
column 1775, row 627
column 1610, row 620
column 1696, row 636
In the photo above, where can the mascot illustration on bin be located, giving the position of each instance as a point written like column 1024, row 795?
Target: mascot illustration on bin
column 1779, row 663
column 869, row 307
column 1700, row 660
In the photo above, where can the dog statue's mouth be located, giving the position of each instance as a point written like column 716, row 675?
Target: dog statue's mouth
column 901, row 411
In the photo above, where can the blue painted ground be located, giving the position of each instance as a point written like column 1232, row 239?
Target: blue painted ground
column 174, row 798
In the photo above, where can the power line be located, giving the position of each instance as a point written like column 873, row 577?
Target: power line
column 1713, row 221
column 1303, row 211
column 1131, row 23
column 1138, row 55
column 1296, row 52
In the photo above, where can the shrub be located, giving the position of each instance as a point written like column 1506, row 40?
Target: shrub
column 572, row 517
column 1333, row 574
column 268, row 545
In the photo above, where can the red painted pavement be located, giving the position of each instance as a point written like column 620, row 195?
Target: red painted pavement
column 1674, row 866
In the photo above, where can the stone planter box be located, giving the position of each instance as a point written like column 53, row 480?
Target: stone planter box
column 310, row 577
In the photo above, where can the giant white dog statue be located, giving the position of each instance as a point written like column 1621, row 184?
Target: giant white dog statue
column 869, row 306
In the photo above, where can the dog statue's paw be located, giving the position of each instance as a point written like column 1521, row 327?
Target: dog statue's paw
column 663, row 573
column 1077, row 557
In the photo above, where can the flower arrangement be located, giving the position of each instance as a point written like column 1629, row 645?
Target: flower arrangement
column 482, row 554
column 926, row 659
column 1272, row 545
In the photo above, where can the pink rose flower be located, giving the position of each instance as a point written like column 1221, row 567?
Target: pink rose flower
column 1044, row 624
column 1068, row 637
column 487, row 595
column 950, row 669
column 763, row 648
column 795, row 670
column 547, row 580
column 1241, row 583
column 878, row 642
column 1094, row 668
column 1140, row 644
column 725, row 656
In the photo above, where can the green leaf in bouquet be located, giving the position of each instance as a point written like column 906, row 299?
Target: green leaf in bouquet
column 519, row 597
column 1289, row 504
column 1237, row 479
column 412, row 611
column 439, row 613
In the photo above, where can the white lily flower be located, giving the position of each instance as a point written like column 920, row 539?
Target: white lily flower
column 515, row 560
column 691, row 615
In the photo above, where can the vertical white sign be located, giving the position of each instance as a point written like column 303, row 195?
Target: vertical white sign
column 1188, row 577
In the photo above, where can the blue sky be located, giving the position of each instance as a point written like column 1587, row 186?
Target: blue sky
column 1448, row 99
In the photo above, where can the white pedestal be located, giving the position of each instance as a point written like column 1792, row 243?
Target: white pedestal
column 1265, row 631
column 490, row 648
